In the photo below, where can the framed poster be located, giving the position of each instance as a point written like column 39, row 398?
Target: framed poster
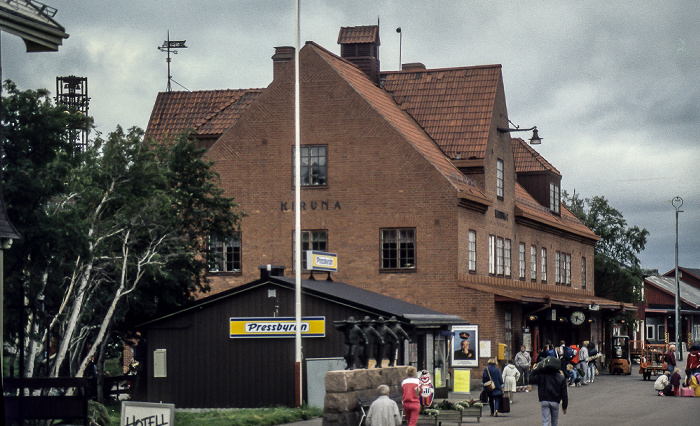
column 465, row 351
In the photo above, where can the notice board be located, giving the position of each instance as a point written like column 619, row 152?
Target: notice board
column 147, row 414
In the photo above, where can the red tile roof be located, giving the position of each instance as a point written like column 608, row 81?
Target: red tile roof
column 527, row 207
column 207, row 112
column 361, row 34
column 453, row 105
column 527, row 160
column 383, row 102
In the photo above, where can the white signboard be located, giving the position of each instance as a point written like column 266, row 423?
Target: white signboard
column 147, row 414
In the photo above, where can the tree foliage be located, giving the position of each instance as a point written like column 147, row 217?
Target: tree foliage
column 112, row 235
column 618, row 275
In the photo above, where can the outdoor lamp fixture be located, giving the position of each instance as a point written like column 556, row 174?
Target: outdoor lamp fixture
column 534, row 140
column 677, row 203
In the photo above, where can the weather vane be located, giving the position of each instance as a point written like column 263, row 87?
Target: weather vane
column 170, row 46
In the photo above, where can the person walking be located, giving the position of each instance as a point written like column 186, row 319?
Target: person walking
column 384, row 411
column 551, row 391
column 592, row 357
column 670, row 358
column 510, row 379
column 522, row 363
column 583, row 359
column 492, row 373
column 409, row 396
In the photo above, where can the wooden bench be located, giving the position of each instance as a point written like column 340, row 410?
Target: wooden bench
column 41, row 404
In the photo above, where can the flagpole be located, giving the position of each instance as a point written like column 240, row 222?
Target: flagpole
column 297, row 213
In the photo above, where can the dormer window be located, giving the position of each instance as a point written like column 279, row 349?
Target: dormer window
column 554, row 199
column 499, row 179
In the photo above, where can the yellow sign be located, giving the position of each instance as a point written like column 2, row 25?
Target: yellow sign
column 462, row 379
column 321, row 261
column 276, row 327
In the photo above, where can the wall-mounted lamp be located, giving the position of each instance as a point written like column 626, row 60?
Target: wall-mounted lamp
column 534, row 140
column 532, row 318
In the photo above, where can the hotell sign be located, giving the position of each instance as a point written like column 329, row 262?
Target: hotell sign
column 287, row 206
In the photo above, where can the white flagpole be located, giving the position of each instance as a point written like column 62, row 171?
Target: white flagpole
column 297, row 213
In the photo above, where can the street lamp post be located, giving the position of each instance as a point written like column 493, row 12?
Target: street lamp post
column 677, row 203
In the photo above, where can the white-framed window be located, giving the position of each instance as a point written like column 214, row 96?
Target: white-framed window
column 554, row 198
column 521, row 261
column 499, row 256
column 567, row 270
column 533, row 263
column 543, row 268
column 492, row 254
column 398, row 248
column 472, row 251
column 506, row 257
column 696, row 332
column 557, row 275
column 650, row 332
column 225, row 253
column 499, row 178
column 583, row 272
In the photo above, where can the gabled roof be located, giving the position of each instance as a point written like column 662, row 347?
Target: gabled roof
column 339, row 292
column 361, row 34
column 527, row 160
column 453, row 105
column 526, row 206
column 695, row 272
column 404, row 123
column 688, row 294
column 207, row 112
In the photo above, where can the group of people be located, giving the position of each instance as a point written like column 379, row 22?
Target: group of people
column 385, row 412
column 578, row 365
column 671, row 382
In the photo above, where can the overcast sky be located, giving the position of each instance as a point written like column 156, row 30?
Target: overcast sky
column 613, row 86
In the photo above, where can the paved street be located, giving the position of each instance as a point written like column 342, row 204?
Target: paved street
column 610, row 400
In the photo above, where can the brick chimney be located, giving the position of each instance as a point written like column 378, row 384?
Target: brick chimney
column 360, row 45
column 413, row 66
column 283, row 55
column 267, row 271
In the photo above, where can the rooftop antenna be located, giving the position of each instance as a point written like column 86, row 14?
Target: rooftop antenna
column 170, row 46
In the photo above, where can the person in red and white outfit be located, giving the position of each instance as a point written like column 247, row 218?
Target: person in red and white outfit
column 409, row 390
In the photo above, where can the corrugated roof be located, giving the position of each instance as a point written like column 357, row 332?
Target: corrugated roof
column 360, row 34
column 526, row 206
column 404, row 123
column 688, row 294
column 453, row 105
column 207, row 112
column 527, row 160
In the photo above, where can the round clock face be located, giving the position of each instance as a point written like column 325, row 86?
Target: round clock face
column 578, row 317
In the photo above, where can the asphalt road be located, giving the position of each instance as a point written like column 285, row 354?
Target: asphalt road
column 614, row 400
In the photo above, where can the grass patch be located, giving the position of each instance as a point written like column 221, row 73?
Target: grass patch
column 235, row 417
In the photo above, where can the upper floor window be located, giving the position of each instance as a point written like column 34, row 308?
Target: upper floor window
column 499, row 178
column 499, row 256
column 554, row 199
column 544, row 265
column 225, row 253
column 312, row 240
column 557, row 274
column 313, row 165
column 398, row 248
column 583, row 272
column 472, row 251
column 506, row 258
column 492, row 254
column 521, row 261
column 533, row 263
column 567, row 270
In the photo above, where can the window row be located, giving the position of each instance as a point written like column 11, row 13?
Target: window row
column 398, row 249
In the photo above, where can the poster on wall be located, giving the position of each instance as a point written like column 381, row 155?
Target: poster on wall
column 464, row 344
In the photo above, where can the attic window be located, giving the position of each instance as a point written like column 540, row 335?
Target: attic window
column 554, row 199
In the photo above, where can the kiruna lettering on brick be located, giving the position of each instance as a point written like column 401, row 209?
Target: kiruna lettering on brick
column 311, row 205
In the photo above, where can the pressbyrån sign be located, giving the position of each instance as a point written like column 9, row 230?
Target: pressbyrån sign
column 276, row 327
column 321, row 261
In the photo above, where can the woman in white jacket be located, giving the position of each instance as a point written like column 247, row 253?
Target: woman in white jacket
column 510, row 379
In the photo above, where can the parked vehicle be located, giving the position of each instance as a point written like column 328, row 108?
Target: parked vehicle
column 652, row 361
column 620, row 360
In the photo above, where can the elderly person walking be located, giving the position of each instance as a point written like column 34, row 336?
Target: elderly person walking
column 522, row 363
column 383, row 411
column 510, row 379
column 583, row 359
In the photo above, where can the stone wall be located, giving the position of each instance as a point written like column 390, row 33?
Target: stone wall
column 344, row 388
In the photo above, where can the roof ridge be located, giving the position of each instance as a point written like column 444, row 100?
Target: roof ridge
column 419, row 70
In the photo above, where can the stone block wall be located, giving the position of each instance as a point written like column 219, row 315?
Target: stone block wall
column 344, row 388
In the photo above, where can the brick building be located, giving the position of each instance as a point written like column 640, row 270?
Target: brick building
column 413, row 179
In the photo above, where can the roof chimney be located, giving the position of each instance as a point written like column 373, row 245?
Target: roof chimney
column 360, row 45
column 413, row 66
column 282, row 56
column 267, row 271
